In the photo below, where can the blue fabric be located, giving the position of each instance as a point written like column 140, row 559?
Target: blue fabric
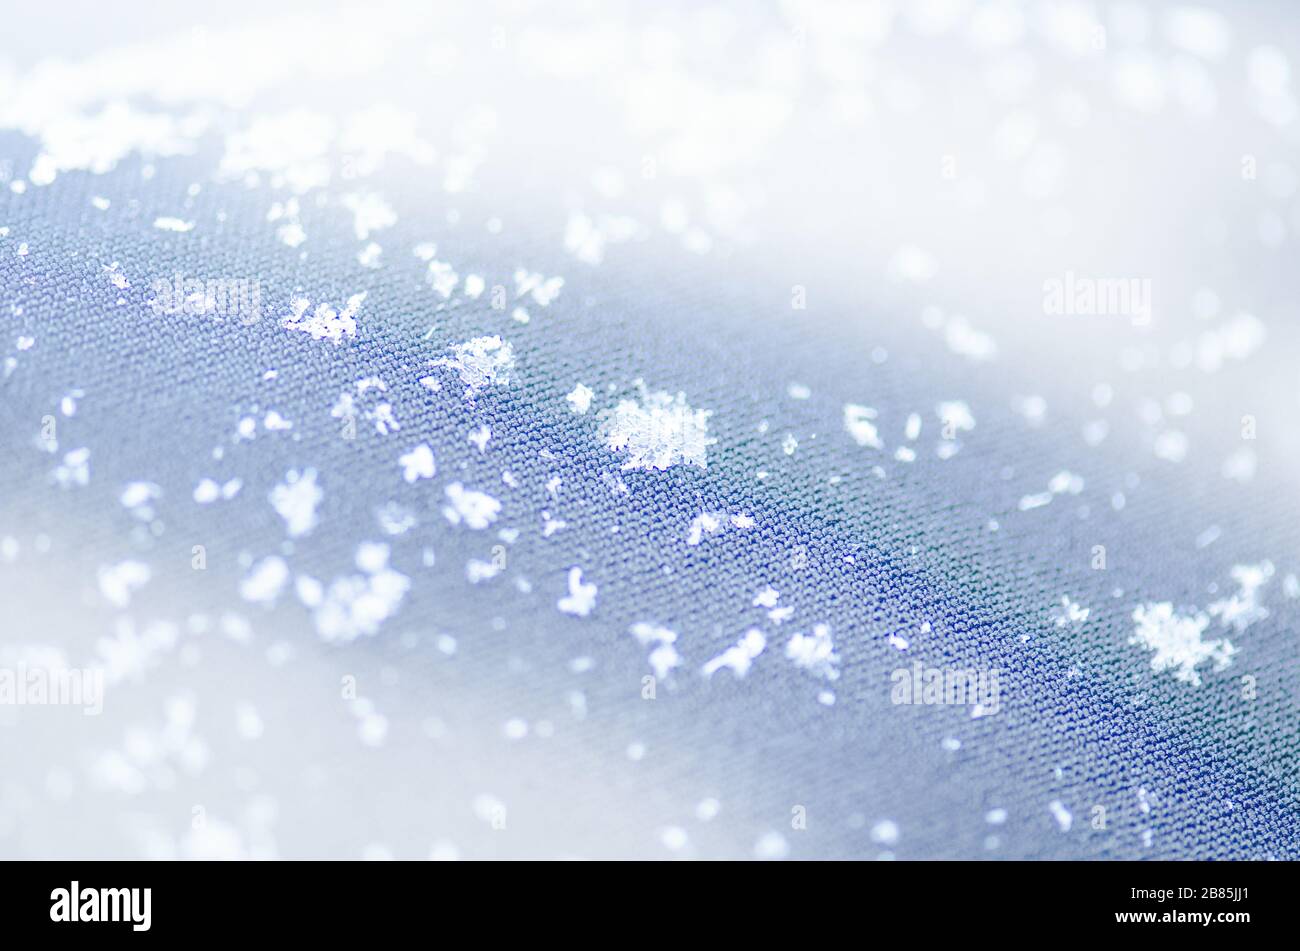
column 470, row 696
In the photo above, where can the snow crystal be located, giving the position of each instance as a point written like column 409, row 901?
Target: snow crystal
column 664, row 657
column 442, row 278
column 480, row 362
column 370, row 213
column 356, row 605
column 955, row 416
column 265, row 581
column 581, row 597
column 418, row 463
column 208, row 491
column 296, row 499
column 739, row 656
column 542, row 289
column 1177, row 642
column 1243, row 608
column 580, row 398
column 475, row 510
column 117, row 582
column 325, row 323
column 885, row 832
column 771, row 846
column 1070, row 612
column 137, row 497
column 858, row 423
column 815, row 652
column 75, row 469
column 658, row 432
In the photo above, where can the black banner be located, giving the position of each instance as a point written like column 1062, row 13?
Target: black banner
column 939, row 901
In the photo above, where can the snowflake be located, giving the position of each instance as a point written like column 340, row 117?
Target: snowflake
column 1177, row 641
column 480, row 363
column 658, row 432
column 815, row 652
column 581, row 597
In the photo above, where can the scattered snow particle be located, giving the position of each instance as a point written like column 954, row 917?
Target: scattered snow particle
column 480, row 362
column 1170, row 446
column 325, row 323
column 173, row 224
column 1062, row 815
column 664, row 657
column 1064, row 482
column 798, row 391
column 137, row 497
column 490, row 810
column 706, row 810
column 815, row 652
column 370, row 213
column 1177, row 643
column 580, row 398
column 674, row 838
column 266, row 580
column 581, row 597
column 274, row 422
column 1070, row 612
column 995, row 817
column 356, row 604
column 706, row 523
column 75, row 469
column 658, row 432
column 955, row 416
column 291, row 234
column 117, row 278
column 1243, row 608
column 543, row 289
column 117, row 582
column 418, row 463
column 475, row 510
column 858, row 423
column 208, row 491
column 885, row 832
column 739, row 656
column 296, row 499
column 477, row 570
column 442, row 277
column 771, row 846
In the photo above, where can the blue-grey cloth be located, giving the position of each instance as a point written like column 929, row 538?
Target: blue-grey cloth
column 481, row 718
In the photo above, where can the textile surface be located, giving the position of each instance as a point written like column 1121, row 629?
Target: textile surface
column 571, row 428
